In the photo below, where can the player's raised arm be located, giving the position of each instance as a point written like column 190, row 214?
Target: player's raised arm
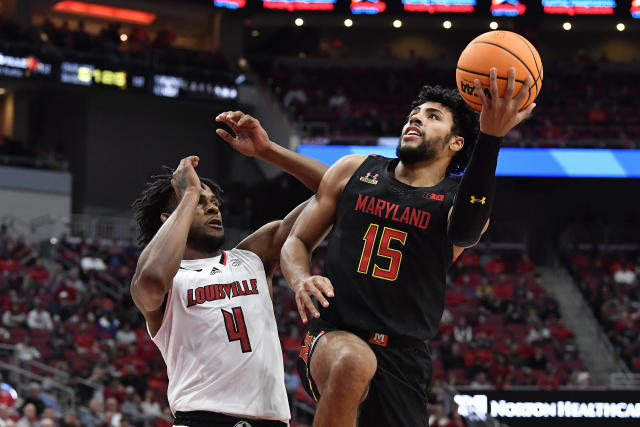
column 308, row 231
column 472, row 207
column 252, row 140
column 160, row 260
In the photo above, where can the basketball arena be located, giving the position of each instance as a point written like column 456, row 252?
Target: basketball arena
column 541, row 317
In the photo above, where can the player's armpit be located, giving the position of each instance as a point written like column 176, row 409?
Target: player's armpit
column 267, row 241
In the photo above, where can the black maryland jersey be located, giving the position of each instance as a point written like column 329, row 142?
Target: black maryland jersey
column 389, row 253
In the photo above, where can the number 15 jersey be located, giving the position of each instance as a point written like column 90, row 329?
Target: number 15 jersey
column 389, row 252
column 220, row 341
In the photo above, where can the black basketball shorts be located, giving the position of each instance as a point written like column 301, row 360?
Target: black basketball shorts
column 398, row 391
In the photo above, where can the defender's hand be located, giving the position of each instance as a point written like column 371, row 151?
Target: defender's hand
column 251, row 139
column 500, row 114
column 316, row 286
column 185, row 177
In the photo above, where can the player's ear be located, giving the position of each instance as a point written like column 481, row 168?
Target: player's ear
column 164, row 216
column 456, row 143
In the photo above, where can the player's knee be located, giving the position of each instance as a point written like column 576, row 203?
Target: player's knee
column 354, row 364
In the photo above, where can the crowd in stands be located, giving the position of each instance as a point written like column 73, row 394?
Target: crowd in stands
column 610, row 283
column 112, row 44
column 72, row 310
column 574, row 109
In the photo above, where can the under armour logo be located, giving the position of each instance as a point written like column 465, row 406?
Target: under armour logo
column 369, row 178
column 242, row 424
column 475, row 199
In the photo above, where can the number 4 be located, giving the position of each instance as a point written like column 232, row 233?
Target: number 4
column 394, row 255
column 236, row 328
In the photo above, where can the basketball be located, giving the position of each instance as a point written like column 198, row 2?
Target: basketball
column 502, row 50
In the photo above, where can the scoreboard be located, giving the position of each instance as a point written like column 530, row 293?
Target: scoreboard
column 499, row 8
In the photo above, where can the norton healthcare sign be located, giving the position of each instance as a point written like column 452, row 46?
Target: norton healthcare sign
column 552, row 407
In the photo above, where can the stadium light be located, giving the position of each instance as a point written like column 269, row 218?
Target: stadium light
column 566, row 26
column 493, row 25
column 255, row 33
column 124, row 37
column 620, row 27
column 397, row 23
column 299, row 22
column 2, row 91
column 446, row 24
column 348, row 22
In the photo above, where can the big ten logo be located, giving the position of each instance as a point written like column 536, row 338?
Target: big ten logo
column 472, row 407
column 470, row 89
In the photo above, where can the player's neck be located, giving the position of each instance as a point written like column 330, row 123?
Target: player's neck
column 422, row 174
column 191, row 253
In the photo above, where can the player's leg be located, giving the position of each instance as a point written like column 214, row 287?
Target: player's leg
column 342, row 366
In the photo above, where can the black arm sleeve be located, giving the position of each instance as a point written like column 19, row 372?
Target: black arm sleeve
column 474, row 201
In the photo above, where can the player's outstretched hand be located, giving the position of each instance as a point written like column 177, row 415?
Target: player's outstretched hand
column 185, row 177
column 500, row 113
column 316, row 286
column 251, row 139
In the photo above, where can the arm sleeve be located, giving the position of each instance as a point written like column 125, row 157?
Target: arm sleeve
column 474, row 200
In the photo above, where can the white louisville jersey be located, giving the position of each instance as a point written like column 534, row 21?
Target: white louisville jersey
column 220, row 341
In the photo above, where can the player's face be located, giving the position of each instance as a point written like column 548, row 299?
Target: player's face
column 206, row 233
column 426, row 133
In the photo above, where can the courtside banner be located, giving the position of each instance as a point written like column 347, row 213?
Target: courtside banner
column 519, row 162
column 551, row 407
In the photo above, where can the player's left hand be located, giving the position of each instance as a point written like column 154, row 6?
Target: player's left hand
column 500, row 114
column 251, row 139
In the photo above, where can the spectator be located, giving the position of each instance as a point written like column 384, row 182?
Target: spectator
column 112, row 415
column 463, row 332
column 126, row 336
column 34, row 398
column 29, row 416
column 480, row 381
column 338, row 100
column 538, row 333
column 39, row 318
column 38, row 272
column 538, row 360
column 25, row 351
column 92, row 415
column 131, row 406
column 625, row 275
column 5, row 418
column 150, row 407
column 295, row 96
column 14, row 318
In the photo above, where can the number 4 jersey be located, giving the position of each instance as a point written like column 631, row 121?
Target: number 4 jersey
column 389, row 252
column 220, row 341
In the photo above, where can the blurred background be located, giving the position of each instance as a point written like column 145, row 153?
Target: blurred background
column 542, row 317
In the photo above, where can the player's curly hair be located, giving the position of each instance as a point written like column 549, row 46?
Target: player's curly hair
column 465, row 122
column 157, row 198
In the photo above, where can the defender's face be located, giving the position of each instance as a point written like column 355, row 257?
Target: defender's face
column 207, row 231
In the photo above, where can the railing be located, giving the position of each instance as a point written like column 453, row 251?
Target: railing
column 65, row 396
column 624, row 381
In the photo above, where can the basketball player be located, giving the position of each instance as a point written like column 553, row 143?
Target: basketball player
column 397, row 226
column 209, row 311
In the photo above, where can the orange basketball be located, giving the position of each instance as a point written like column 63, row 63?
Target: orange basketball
column 502, row 50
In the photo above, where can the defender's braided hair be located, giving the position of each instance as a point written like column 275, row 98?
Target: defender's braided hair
column 157, row 198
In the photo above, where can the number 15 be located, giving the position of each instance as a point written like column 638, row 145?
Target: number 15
column 393, row 255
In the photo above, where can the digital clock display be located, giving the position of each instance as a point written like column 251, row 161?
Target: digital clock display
column 89, row 75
